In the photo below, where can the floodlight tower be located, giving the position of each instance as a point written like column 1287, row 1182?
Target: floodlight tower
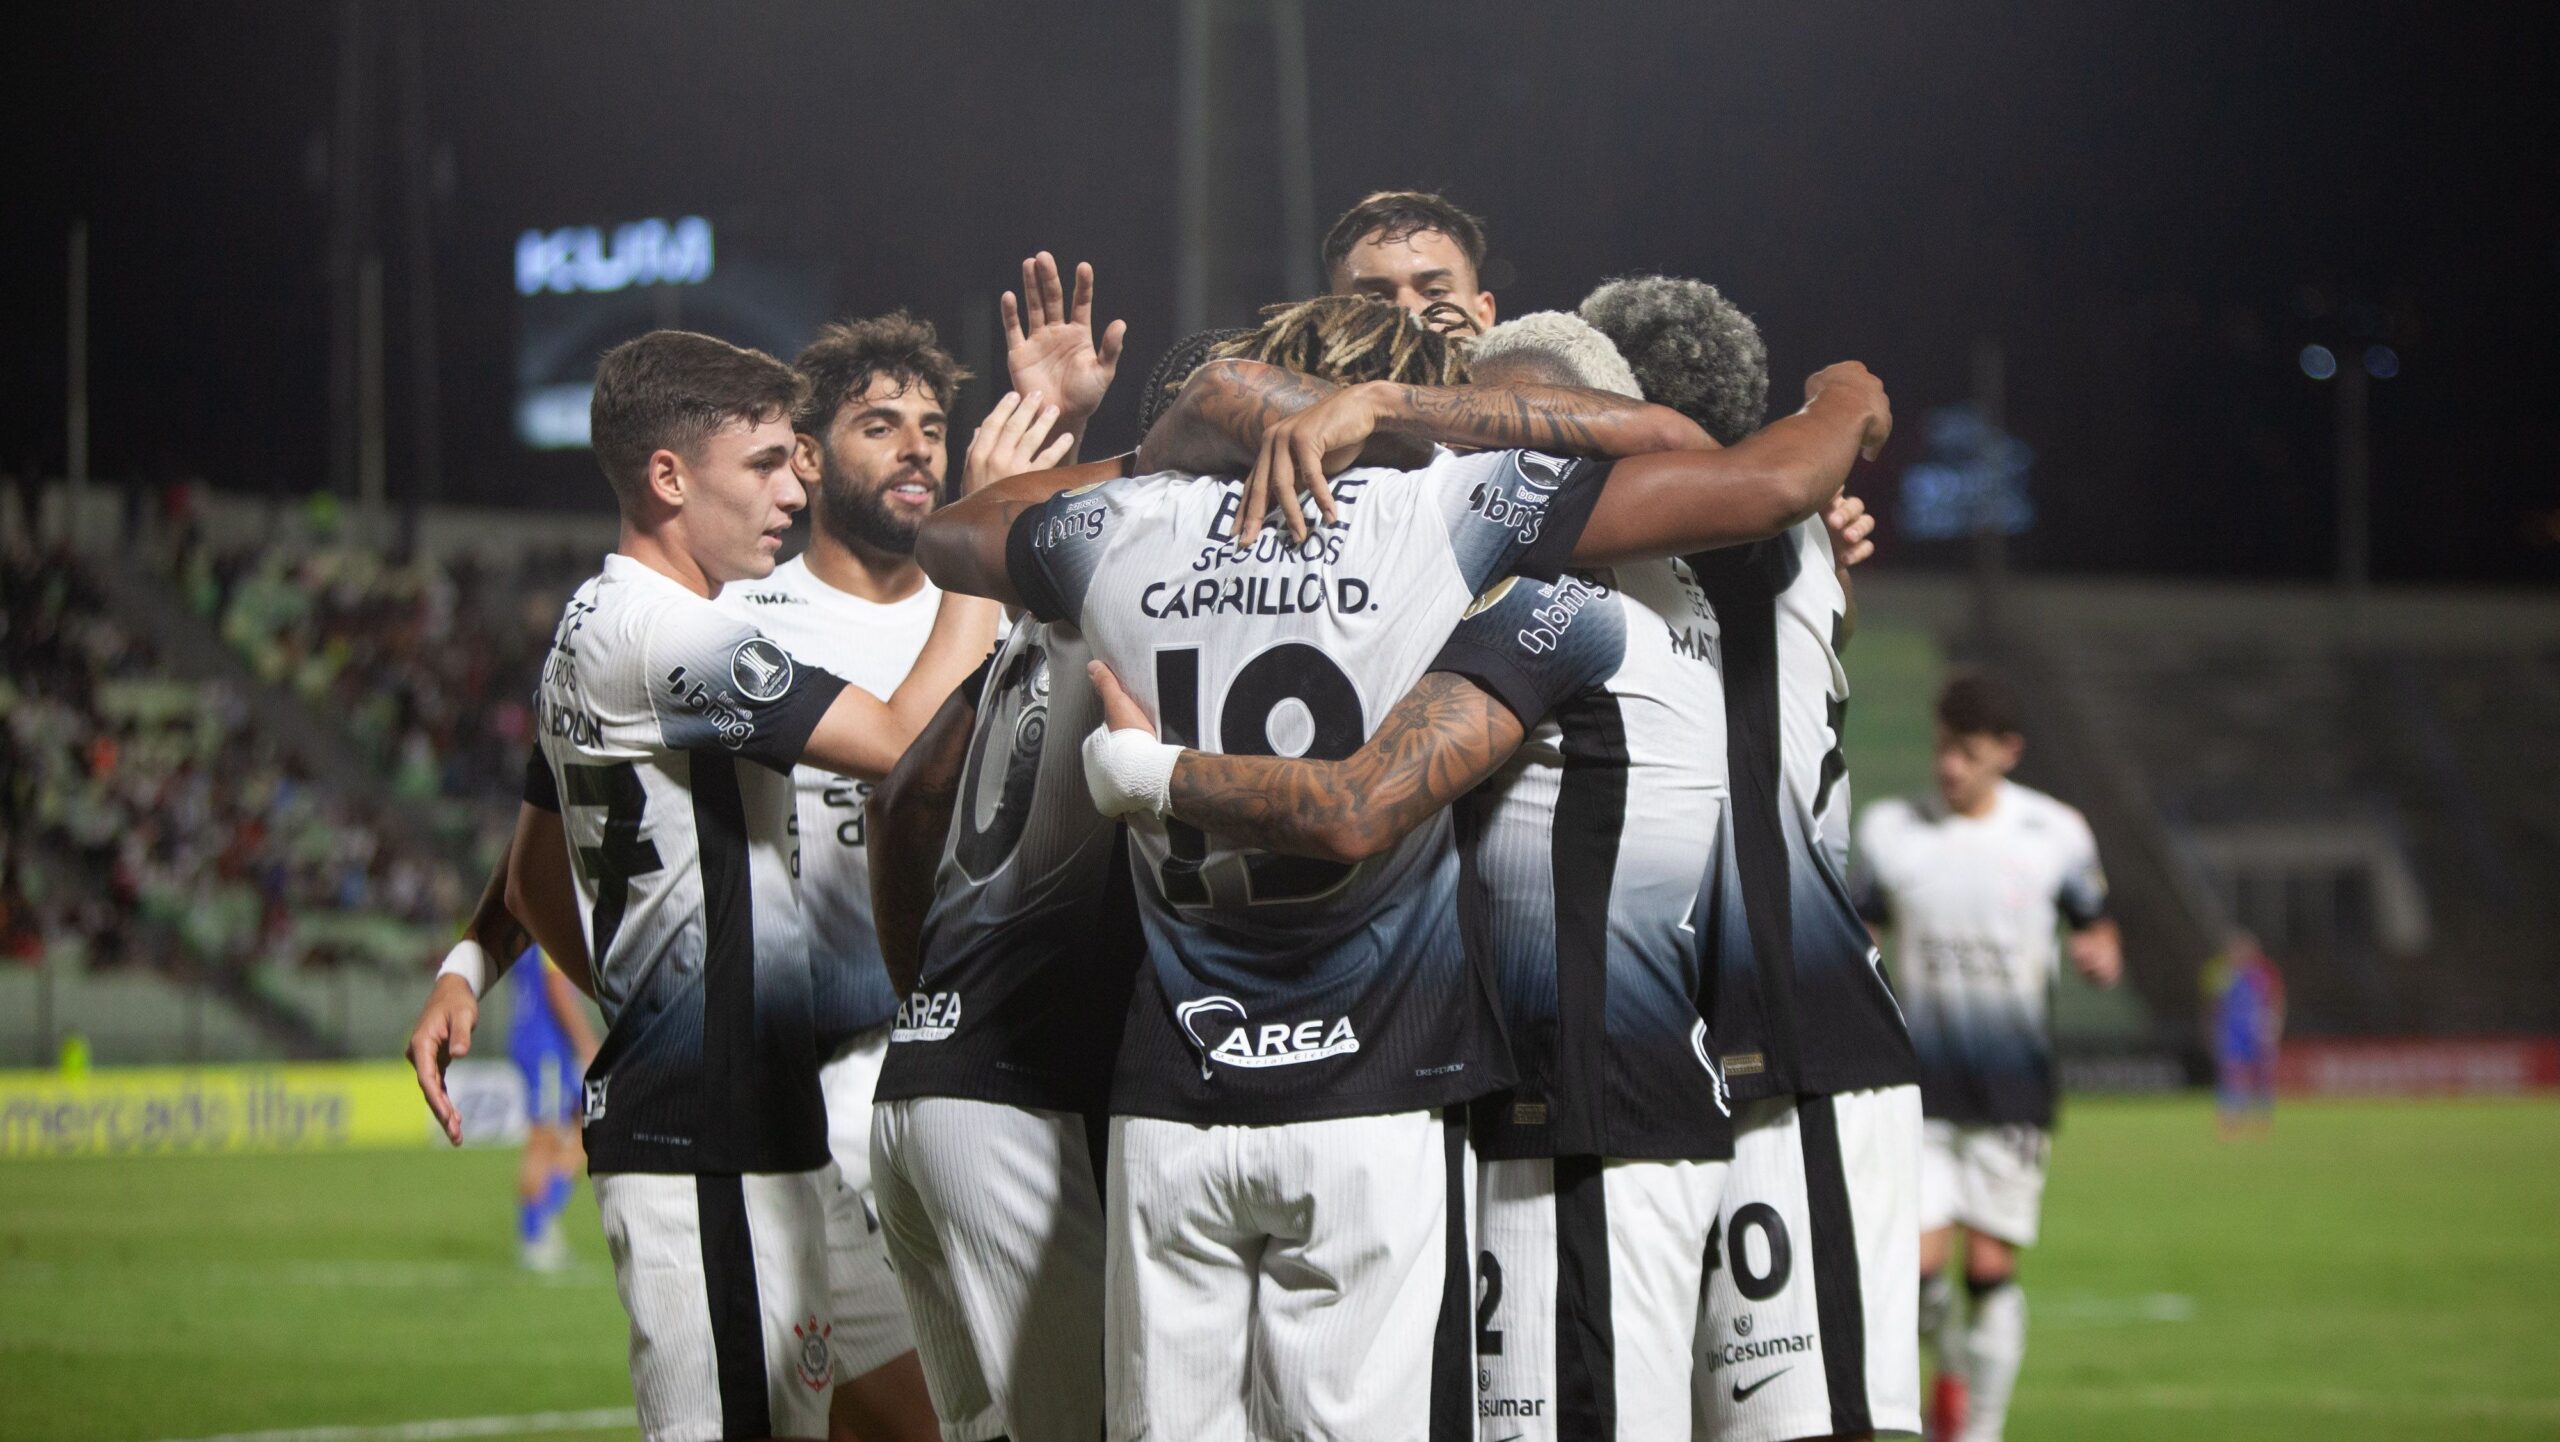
column 1246, row 230
column 2354, row 373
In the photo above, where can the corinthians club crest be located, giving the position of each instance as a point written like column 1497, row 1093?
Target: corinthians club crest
column 817, row 1359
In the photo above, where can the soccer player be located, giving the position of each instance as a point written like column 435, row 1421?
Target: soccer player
column 2245, row 994
column 1974, row 883
column 1413, row 250
column 670, row 731
column 873, row 430
column 550, row 1042
column 1812, row 1304
column 1007, row 918
column 1605, row 1162
column 1271, row 1023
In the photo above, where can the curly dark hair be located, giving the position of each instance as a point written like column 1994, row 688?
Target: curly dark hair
column 1347, row 339
column 849, row 355
column 1691, row 349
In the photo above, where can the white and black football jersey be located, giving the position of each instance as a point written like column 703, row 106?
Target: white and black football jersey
column 1975, row 903
column 671, row 729
column 1580, row 861
column 1797, row 998
column 1032, row 940
column 1282, row 988
column 872, row 646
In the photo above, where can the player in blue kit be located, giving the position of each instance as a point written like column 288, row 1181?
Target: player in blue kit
column 550, row 1042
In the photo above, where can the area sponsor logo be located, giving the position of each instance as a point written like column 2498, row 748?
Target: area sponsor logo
column 1243, row 1044
column 1734, row 1354
column 927, row 1016
column 580, row 258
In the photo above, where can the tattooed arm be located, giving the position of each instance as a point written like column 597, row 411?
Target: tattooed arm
column 1299, row 451
column 1214, row 428
column 905, row 819
column 1442, row 738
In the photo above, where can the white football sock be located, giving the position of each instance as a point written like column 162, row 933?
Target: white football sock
column 1938, row 1332
column 1994, row 1345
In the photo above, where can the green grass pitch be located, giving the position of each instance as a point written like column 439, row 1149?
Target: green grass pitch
column 2376, row 1271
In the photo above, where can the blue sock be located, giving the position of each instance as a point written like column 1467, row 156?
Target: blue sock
column 555, row 1197
column 530, row 1218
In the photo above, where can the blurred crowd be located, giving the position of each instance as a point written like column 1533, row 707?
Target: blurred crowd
column 148, row 819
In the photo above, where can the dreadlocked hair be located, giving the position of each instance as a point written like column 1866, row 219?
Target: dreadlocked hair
column 1347, row 339
column 1165, row 381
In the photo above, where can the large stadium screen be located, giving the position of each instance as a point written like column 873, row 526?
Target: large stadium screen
column 583, row 288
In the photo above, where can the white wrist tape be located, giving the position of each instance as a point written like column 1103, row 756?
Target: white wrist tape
column 468, row 961
column 1129, row 771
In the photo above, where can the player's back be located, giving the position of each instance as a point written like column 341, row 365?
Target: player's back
column 1284, row 988
column 1796, row 1000
column 670, row 729
column 1029, row 947
column 1975, row 903
column 1580, row 860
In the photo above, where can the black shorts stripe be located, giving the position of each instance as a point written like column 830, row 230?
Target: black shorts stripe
column 737, row 1314
column 1586, row 1326
column 1453, row 1407
column 1839, row 1298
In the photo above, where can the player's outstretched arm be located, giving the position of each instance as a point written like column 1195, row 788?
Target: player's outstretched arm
column 863, row 736
column 1441, row 739
column 1300, row 451
column 1677, row 502
column 2097, row 951
column 1215, row 425
column 905, row 818
column 962, row 545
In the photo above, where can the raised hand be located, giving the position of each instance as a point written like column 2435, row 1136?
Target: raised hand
column 1120, row 710
column 1049, row 346
column 1010, row 442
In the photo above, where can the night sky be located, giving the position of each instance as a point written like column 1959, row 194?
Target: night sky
column 2153, row 206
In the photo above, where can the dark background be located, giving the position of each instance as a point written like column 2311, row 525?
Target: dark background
column 2152, row 205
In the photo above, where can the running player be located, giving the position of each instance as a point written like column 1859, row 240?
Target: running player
column 1006, row 917
column 1974, row 883
column 1322, row 1070
column 1605, row 1163
column 1813, row 1302
column 873, row 434
column 706, row 1130
column 550, row 1042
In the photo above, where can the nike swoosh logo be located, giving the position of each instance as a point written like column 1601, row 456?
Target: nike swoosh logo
column 1742, row 1393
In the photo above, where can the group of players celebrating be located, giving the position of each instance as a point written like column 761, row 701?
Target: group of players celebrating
column 1371, row 953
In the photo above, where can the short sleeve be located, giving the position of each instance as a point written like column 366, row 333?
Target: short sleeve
column 1518, row 512
column 717, row 683
column 1535, row 645
column 541, row 788
column 1054, row 549
column 2082, row 896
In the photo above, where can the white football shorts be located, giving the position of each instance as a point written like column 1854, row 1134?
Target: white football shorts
column 725, row 1281
column 1813, row 1310
column 869, row 1312
column 1591, row 1293
column 1301, row 1280
column 994, row 1216
column 1987, row 1179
